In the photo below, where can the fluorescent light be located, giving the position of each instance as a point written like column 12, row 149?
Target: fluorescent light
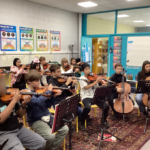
column 139, row 21
column 148, row 25
column 87, row 4
column 123, row 15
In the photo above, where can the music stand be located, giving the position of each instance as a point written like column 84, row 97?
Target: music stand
column 101, row 95
column 66, row 111
column 144, row 87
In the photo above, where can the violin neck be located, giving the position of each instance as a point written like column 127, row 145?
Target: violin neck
column 61, row 88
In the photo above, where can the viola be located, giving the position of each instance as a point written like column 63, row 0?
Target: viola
column 10, row 92
column 45, row 66
column 123, row 104
column 145, row 96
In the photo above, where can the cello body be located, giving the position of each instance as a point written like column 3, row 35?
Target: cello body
column 145, row 96
column 124, row 97
column 123, row 104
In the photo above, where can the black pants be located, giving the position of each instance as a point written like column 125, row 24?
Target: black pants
column 19, row 85
column 87, row 107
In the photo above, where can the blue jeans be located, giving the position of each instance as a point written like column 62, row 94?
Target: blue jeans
column 139, row 101
column 79, row 112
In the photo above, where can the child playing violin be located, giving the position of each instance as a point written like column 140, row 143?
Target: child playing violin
column 19, row 70
column 64, row 65
column 56, row 72
column 117, row 78
column 42, row 63
column 87, row 93
column 142, row 75
column 10, row 128
column 77, row 70
column 36, row 65
column 38, row 115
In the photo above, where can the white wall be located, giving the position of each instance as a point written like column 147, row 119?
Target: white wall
column 28, row 14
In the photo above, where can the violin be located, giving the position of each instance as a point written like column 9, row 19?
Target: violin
column 81, row 63
column 48, row 73
column 92, row 77
column 10, row 92
column 3, row 72
column 74, row 67
column 145, row 95
column 27, row 66
column 45, row 66
column 63, row 80
column 54, row 90
column 123, row 104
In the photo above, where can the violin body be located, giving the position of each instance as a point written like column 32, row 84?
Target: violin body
column 123, row 97
column 10, row 92
column 145, row 96
column 45, row 66
column 27, row 66
column 74, row 67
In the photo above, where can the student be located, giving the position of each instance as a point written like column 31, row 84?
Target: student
column 117, row 78
column 87, row 93
column 142, row 75
column 15, row 68
column 38, row 115
column 36, row 65
column 64, row 63
column 42, row 62
column 77, row 70
column 56, row 72
column 10, row 128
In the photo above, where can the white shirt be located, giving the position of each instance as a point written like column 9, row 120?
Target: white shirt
column 63, row 71
column 86, row 93
column 43, row 79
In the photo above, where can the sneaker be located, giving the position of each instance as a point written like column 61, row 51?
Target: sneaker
column 82, row 127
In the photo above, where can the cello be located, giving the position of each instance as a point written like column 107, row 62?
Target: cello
column 123, row 104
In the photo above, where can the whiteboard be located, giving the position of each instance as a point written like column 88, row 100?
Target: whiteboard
column 7, row 60
column 48, row 57
column 138, row 50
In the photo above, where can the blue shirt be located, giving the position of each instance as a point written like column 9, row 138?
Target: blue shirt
column 38, row 107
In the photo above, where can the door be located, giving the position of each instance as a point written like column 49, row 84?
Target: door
column 86, row 50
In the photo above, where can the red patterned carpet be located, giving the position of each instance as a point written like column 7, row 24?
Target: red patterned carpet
column 130, row 133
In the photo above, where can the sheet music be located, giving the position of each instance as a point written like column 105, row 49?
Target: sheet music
column 7, row 60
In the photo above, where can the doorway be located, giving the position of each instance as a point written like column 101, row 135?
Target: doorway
column 100, row 55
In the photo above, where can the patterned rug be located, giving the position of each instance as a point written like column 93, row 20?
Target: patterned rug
column 130, row 133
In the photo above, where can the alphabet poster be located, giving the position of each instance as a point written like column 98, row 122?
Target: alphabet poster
column 41, row 40
column 8, row 38
column 55, row 41
column 26, row 39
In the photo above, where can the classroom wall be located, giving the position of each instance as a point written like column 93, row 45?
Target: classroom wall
column 100, row 26
column 28, row 14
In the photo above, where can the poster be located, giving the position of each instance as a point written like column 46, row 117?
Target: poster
column 130, row 45
column 8, row 38
column 41, row 40
column 55, row 41
column 26, row 39
column 117, row 50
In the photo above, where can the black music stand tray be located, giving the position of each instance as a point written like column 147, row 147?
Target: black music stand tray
column 102, row 94
column 65, row 112
column 144, row 87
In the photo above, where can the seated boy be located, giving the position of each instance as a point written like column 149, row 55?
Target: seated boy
column 117, row 78
column 39, row 117
column 87, row 93
column 10, row 128
column 56, row 72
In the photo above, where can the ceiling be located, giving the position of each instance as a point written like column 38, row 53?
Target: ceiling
column 134, row 15
column 103, row 5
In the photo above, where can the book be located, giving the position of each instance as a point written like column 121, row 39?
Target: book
column 107, row 137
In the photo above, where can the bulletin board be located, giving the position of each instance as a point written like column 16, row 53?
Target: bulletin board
column 138, row 50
